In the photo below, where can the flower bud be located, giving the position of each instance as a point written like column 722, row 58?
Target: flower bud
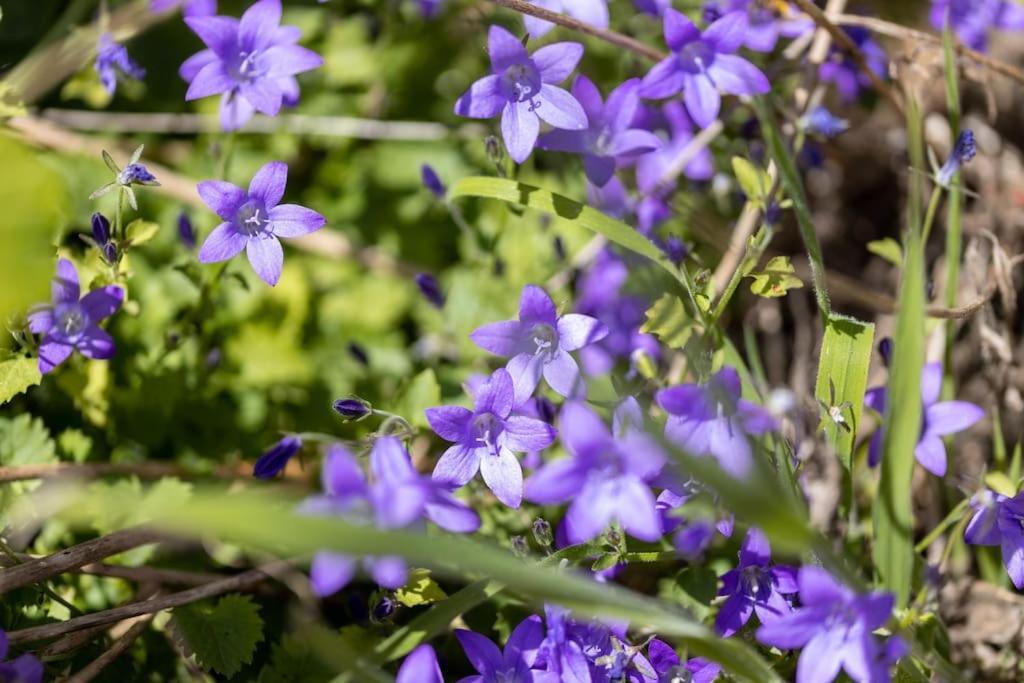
column 431, row 181
column 885, row 349
column 100, row 229
column 359, row 353
column 110, row 253
column 384, row 608
column 520, row 546
column 276, row 457
column 495, row 152
column 542, row 533
column 430, row 289
column 186, row 231
column 352, row 408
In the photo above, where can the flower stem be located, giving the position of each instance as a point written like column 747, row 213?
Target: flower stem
column 227, row 151
column 118, row 220
column 929, row 217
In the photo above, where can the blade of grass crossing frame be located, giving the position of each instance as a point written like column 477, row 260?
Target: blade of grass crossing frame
column 954, row 212
column 893, row 512
column 843, row 366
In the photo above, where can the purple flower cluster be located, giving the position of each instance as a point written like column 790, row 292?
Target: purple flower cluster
column 999, row 520
column 973, row 20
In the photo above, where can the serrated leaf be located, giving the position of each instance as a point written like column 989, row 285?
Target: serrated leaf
column 668, row 321
column 17, row 375
column 423, row 392
column 843, row 365
column 777, row 278
column 294, row 660
column 420, row 589
column 889, row 249
column 141, row 231
column 24, row 440
column 754, row 182
column 74, row 445
column 222, row 638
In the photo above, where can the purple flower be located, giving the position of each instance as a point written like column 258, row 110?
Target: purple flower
column 712, row 419
column 420, row 666
column 190, row 8
column 654, row 169
column 251, row 62
column 351, row 408
column 999, row 520
column 430, row 289
column 431, row 181
column 593, row 12
column 703, row 66
column 834, row 627
column 186, row 231
column 692, row 536
column 670, row 668
column 100, row 229
column 135, row 173
column 254, row 220
column 964, row 150
column 844, row 72
column 113, row 62
column 938, row 419
column 971, row 20
column 754, row 586
column 24, row 669
column 765, row 22
column 397, row 497
column 521, row 88
column 590, row 651
column 607, row 475
column 539, row 343
column 514, row 664
column 276, row 458
column 609, row 135
column 72, row 321
column 487, row 438
column 822, row 122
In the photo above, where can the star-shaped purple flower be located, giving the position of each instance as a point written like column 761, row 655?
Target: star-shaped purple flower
column 712, row 419
column 609, row 136
column 593, row 12
column 251, row 62
column 973, row 20
column 703, row 66
column 834, row 627
column 72, row 321
column 755, row 586
column 766, row 22
column 607, row 476
column 999, row 520
column 515, row 663
column 539, row 343
column 254, row 220
column 939, row 419
column 522, row 89
column 487, row 438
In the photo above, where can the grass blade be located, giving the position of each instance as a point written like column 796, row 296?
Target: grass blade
column 843, row 365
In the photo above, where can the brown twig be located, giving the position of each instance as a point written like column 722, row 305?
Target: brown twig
column 74, row 557
column 143, row 575
column 239, row 582
column 145, row 470
column 74, row 641
column 95, row 667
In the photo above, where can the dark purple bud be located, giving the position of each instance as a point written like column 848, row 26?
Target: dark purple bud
column 213, row 358
column 100, row 229
column 276, row 457
column 186, row 231
column 773, row 214
column 431, row 181
column 885, row 348
column 675, row 249
column 542, row 533
column 359, row 353
column 384, row 608
column 495, row 152
column 110, row 253
column 712, row 12
column 520, row 546
column 823, row 122
column 352, row 408
column 135, row 174
column 964, row 150
column 430, row 289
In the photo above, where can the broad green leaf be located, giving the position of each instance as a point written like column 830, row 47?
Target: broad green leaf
column 422, row 392
column 889, row 249
column 668, row 321
column 141, row 231
column 893, row 511
column 223, row 637
column 777, row 278
column 17, row 375
column 420, row 589
column 294, row 659
column 24, row 440
column 754, row 182
column 843, row 366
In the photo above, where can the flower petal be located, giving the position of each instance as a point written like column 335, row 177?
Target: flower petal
column 535, row 306
column 679, row 30
column 266, row 256
column 504, row 49
column 525, row 370
column 556, row 61
column 734, row 614
column 481, row 652
column 506, row 338
column 219, row 33
column 288, row 60
column 449, row 422
column 223, row 243
column 703, row 101
column 563, row 375
column 519, row 129
column 457, row 465
column 949, row 417
column 483, row 100
column 736, row 76
column 389, row 571
column 665, row 79
column 930, row 452
column 223, row 197
column 292, row 220
column 496, row 395
column 504, row 476
column 576, row 331
column 726, row 34
column 527, row 435
column 212, row 79
column 556, row 482
column 65, row 287
column 560, row 109
column 330, row 572
column 52, row 353
column 636, row 509
column 258, row 25
column 599, row 169
column 420, row 666
column 102, row 303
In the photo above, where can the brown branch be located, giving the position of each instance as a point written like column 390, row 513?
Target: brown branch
column 73, row 641
column 173, row 577
column 239, row 582
column 74, row 557
column 145, row 470
column 94, row 668
column 613, row 37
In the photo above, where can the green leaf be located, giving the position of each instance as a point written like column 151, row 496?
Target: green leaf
column 74, row 445
column 843, row 365
column 893, row 511
column 141, row 231
column 423, row 392
column 294, row 660
column 668, row 321
column 889, row 249
column 777, row 278
column 24, row 440
column 420, row 589
column 223, row 638
column 754, row 182
column 16, row 376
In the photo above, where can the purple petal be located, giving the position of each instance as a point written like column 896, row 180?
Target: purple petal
column 646, row 458
column 102, row 303
column 451, row 514
column 589, row 97
column 756, row 550
column 931, row 383
column 292, row 220
column 755, row 419
column 451, row 423
column 875, row 609
column 341, row 475
column 563, row 375
column 65, row 288
column 390, row 462
column 560, row 140
column 636, row 509
column 496, row 395
column 398, row 504
column 525, row 370
column 556, row 61
column 527, row 435
column 730, row 447
column 1013, row 552
column 524, row 641
column 559, row 108
column 504, row 476
column 258, row 25
column 593, row 12
column 389, row 571
column 40, row 321
column 983, row 528
column 219, row 33
column 269, row 182
column 772, row 608
column 504, row 49
column 930, row 452
column 420, row 666
column 483, row 100
column 194, row 64
column 212, row 79
column 556, row 482
column 665, row 79
column 330, row 572
column 235, row 111
column 819, row 660
column 506, row 338
column 589, row 513
column 818, row 588
column 96, row 343
column 950, row 417
column 703, row 101
column 224, row 198
column 634, row 141
column 223, row 243
column 621, row 108
column 736, row 76
column 535, row 306
column 679, row 30
column 52, row 353
column 538, row 28
column 734, row 614
column 793, row 630
column 599, row 170
column 785, row 579
column 684, row 400
column 627, row 417
column 266, row 256
column 576, row 331
column 662, row 656
column 457, row 465
column 726, row 34
column 481, row 652
column 265, row 95
column 582, row 432
column 288, row 60
column 519, row 128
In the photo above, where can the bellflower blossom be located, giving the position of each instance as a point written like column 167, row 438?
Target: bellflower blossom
column 397, row 497
column 670, row 668
column 23, row 669
column 609, row 136
column 190, row 8
column 712, row 419
column 844, row 72
column 834, row 627
column 606, row 476
column 820, row 121
column 755, row 586
column 420, row 666
column 487, row 438
column 999, row 520
column 254, row 220
column 593, row 12
column 703, row 66
column 72, row 321
column 521, row 87
column 653, row 169
column 539, row 343
column 938, row 419
column 276, row 458
column 766, row 22
column 517, row 661
column 113, row 62
column 135, row 173
column 972, row 20
column 590, row 651
column 251, row 62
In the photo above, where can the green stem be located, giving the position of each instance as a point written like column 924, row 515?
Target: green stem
column 954, row 515
column 750, row 260
column 651, row 556
column 118, row 217
column 227, row 151
column 929, row 216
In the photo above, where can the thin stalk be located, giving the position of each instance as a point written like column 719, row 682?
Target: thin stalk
column 952, row 518
column 929, row 216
